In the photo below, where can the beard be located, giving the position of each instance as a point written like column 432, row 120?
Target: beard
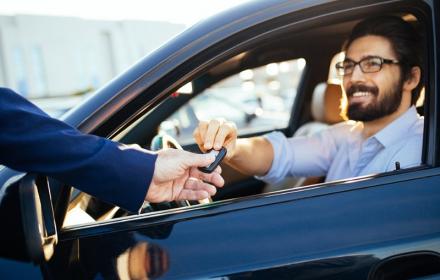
column 385, row 104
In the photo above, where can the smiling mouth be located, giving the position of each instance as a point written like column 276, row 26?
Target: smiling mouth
column 361, row 93
column 360, row 96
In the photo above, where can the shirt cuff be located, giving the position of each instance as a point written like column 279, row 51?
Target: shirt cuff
column 130, row 175
column 142, row 170
column 275, row 173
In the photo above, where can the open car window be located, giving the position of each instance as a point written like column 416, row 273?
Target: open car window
column 257, row 99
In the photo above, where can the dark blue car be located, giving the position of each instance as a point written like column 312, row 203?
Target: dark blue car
column 380, row 226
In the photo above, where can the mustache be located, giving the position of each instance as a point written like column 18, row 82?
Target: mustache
column 360, row 88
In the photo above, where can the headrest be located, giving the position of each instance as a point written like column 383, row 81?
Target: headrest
column 318, row 102
column 326, row 101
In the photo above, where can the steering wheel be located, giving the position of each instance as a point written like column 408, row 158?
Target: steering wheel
column 163, row 141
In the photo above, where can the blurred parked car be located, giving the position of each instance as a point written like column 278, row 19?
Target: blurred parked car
column 246, row 114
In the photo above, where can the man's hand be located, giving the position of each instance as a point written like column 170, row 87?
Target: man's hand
column 251, row 156
column 176, row 177
column 216, row 133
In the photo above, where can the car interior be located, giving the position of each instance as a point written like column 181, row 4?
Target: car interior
column 259, row 69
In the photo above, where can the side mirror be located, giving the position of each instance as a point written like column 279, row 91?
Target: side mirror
column 38, row 220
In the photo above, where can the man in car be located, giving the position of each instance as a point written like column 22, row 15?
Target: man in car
column 381, row 81
column 31, row 141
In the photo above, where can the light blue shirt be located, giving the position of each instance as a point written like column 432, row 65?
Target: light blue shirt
column 340, row 151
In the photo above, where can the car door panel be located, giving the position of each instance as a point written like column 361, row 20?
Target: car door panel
column 335, row 233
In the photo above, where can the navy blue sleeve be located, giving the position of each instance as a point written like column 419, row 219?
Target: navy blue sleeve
column 32, row 141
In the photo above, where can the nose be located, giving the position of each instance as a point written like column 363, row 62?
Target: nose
column 357, row 74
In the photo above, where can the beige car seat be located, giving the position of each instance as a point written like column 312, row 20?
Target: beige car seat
column 325, row 109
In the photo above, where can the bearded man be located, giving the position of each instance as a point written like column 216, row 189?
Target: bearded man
column 381, row 75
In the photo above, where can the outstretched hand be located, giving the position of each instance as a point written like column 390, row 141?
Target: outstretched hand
column 215, row 134
column 176, row 177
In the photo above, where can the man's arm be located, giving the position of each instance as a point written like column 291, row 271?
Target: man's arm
column 32, row 141
column 274, row 156
column 252, row 156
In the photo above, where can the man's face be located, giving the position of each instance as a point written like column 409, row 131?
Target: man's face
column 371, row 96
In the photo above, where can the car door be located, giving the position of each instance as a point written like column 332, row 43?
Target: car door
column 367, row 227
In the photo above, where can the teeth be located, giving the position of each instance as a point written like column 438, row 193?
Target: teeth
column 362, row 93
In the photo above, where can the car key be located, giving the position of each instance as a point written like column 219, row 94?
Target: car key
column 219, row 155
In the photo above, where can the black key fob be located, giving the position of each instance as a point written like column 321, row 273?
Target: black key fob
column 219, row 156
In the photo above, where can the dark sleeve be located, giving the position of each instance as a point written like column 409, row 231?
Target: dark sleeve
column 32, row 141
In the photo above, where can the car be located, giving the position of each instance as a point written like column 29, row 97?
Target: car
column 378, row 226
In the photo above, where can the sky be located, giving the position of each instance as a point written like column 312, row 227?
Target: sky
column 177, row 11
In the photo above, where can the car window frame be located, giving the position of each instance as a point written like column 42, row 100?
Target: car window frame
column 431, row 142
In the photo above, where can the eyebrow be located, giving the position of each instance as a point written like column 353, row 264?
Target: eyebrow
column 362, row 57
column 371, row 55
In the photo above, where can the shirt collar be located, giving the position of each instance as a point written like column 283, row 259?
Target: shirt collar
column 396, row 130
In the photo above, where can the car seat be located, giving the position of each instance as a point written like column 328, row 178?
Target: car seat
column 325, row 108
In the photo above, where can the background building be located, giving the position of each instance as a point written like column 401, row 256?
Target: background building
column 47, row 56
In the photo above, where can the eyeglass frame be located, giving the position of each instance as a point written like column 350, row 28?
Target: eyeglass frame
column 339, row 66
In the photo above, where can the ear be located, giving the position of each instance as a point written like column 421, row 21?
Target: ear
column 413, row 80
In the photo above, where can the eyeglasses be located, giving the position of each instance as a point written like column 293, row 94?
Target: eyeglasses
column 369, row 64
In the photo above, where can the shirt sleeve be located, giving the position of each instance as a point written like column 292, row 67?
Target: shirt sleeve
column 32, row 141
column 300, row 156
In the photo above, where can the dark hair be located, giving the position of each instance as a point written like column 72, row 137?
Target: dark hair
column 404, row 39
